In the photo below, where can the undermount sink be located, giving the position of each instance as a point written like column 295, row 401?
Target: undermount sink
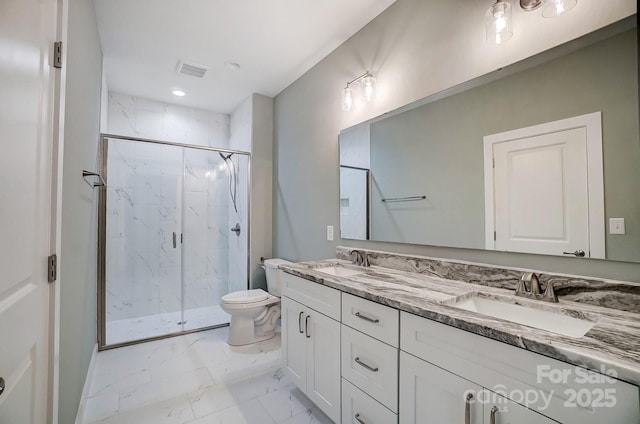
column 338, row 271
column 532, row 317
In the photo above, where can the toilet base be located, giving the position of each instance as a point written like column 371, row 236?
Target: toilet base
column 245, row 330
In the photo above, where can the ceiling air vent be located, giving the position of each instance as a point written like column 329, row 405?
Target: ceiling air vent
column 191, row 69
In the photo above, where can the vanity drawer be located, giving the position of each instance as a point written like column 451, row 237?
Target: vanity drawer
column 379, row 321
column 370, row 365
column 357, row 405
column 316, row 296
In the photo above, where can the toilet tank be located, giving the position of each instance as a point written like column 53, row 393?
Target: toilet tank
column 274, row 285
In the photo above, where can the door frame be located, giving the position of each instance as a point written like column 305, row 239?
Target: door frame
column 592, row 123
column 57, row 118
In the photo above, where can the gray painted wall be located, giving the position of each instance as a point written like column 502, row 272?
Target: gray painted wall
column 437, row 149
column 415, row 48
column 79, row 206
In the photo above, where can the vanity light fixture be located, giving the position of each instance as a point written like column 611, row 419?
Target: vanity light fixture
column 498, row 19
column 499, row 23
column 367, row 84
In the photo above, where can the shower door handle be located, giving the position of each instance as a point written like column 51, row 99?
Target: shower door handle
column 175, row 240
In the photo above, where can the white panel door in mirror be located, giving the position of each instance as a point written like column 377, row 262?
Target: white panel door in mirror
column 541, row 194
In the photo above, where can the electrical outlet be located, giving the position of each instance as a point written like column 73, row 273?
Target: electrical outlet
column 329, row 232
column 616, row 226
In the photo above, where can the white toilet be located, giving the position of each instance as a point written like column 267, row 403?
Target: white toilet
column 255, row 313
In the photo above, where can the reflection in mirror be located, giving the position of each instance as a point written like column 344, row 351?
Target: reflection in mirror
column 550, row 192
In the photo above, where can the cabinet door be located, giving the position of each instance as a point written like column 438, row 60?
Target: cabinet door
column 431, row 395
column 323, row 363
column 294, row 343
column 508, row 412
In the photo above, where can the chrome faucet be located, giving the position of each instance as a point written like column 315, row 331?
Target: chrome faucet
column 534, row 291
column 360, row 257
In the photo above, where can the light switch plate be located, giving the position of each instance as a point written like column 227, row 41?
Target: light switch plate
column 329, row 232
column 616, row 226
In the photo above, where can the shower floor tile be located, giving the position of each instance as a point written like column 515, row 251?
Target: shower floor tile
column 195, row 379
column 131, row 329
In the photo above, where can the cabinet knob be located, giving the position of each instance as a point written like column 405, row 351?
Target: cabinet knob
column 300, row 322
column 306, row 326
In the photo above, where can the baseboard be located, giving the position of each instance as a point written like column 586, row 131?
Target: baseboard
column 87, row 386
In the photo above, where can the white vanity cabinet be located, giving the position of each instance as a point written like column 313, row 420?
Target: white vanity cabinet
column 311, row 342
column 429, row 394
column 537, row 389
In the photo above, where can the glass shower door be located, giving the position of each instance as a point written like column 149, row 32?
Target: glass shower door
column 214, row 256
column 143, row 296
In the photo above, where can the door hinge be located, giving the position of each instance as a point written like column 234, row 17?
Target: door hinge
column 57, row 54
column 494, row 163
column 495, row 236
column 52, row 268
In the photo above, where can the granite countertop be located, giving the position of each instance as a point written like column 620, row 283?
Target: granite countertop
column 613, row 342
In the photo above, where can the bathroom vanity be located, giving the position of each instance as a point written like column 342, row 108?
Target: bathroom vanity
column 398, row 343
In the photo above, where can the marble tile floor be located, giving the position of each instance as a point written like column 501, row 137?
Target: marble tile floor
column 131, row 329
column 196, row 379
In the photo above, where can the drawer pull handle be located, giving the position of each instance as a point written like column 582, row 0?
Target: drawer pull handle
column 357, row 417
column 362, row 364
column 493, row 414
column 306, row 326
column 467, row 409
column 366, row 318
column 300, row 322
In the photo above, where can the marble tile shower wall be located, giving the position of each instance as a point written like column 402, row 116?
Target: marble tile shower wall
column 146, row 204
column 143, row 118
column 143, row 210
column 206, row 232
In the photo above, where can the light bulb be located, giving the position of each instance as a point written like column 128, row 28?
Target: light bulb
column 498, row 22
column 553, row 8
column 347, row 99
column 368, row 87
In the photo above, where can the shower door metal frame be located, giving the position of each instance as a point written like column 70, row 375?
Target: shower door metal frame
column 102, row 236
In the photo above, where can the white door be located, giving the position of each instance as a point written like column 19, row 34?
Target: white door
column 27, row 31
column 541, row 196
column 430, row 395
column 540, row 193
column 323, row 363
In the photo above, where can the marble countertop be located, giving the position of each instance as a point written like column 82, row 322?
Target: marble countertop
column 613, row 342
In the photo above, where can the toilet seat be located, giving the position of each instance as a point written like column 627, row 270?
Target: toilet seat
column 245, row 296
column 246, row 299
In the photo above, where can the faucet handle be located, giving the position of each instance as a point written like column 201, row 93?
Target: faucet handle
column 549, row 293
column 522, row 287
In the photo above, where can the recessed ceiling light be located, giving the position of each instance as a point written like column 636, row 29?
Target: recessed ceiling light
column 179, row 93
column 234, row 66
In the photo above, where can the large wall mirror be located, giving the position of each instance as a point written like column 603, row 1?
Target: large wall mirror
column 540, row 157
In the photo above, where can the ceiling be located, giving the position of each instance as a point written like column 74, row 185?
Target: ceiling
column 274, row 41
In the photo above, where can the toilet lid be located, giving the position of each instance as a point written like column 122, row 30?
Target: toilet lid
column 245, row 296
